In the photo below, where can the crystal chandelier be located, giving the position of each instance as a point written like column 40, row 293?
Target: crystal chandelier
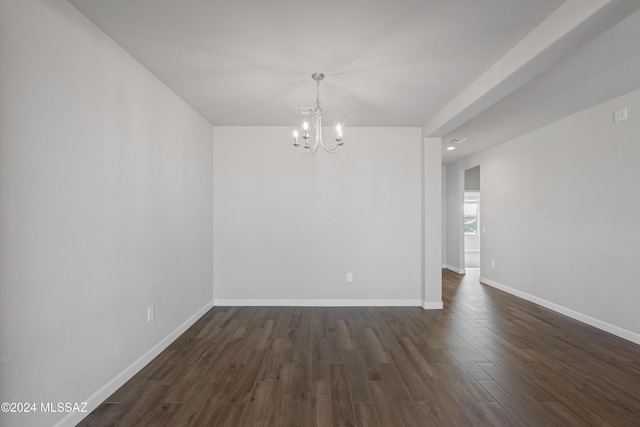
column 316, row 121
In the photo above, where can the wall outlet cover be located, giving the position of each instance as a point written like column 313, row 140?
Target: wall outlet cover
column 151, row 312
column 619, row 116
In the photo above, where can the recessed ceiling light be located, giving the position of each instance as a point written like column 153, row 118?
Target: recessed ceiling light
column 457, row 140
column 451, row 148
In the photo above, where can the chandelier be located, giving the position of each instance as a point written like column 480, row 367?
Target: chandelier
column 316, row 121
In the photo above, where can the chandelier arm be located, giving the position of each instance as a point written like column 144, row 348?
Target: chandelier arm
column 310, row 151
column 314, row 147
column 304, row 150
column 332, row 150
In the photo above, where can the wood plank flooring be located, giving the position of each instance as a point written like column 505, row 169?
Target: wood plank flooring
column 488, row 359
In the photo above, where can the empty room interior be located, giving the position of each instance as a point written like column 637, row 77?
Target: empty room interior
column 292, row 213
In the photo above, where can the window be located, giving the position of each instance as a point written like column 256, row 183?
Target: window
column 471, row 218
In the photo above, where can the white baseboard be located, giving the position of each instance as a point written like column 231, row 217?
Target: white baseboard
column 93, row 401
column 317, row 302
column 432, row 305
column 596, row 323
column 455, row 269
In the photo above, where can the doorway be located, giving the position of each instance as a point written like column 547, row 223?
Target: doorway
column 472, row 218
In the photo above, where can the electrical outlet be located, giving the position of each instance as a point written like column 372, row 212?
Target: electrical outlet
column 151, row 312
column 619, row 116
column 349, row 277
column 493, row 263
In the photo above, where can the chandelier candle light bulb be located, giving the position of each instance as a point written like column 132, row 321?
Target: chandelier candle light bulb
column 316, row 121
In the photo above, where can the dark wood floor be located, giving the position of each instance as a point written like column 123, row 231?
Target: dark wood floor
column 488, row 358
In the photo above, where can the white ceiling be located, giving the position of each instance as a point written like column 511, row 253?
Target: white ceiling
column 606, row 67
column 388, row 63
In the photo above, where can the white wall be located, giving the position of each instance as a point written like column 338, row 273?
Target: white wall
column 444, row 215
column 105, row 208
column 288, row 227
column 472, row 179
column 561, row 211
column 454, row 223
column 432, row 224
